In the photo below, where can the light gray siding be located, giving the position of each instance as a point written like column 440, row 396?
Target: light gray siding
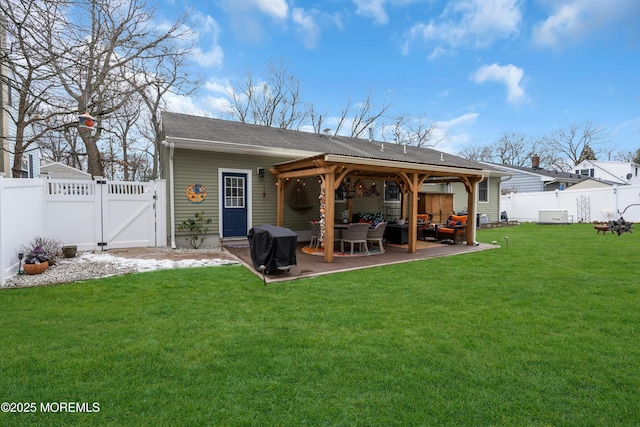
column 522, row 182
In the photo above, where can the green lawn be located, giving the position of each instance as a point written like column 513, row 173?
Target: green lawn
column 544, row 332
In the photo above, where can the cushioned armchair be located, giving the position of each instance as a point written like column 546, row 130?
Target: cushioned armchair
column 355, row 234
column 454, row 229
column 375, row 235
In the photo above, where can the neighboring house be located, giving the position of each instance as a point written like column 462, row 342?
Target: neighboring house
column 30, row 166
column 620, row 173
column 57, row 170
column 534, row 179
column 241, row 175
column 5, row 167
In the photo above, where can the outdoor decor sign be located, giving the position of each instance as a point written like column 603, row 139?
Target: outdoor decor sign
column 196, row 193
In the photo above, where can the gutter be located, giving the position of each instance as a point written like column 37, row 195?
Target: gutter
column 232, row 147
column 172, row 209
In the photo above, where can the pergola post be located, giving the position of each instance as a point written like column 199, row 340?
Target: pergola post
column 413, row 215
column 329, row 182
column 471, row 185
column 280, row 202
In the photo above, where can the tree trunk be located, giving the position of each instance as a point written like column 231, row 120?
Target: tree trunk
column 94, row 161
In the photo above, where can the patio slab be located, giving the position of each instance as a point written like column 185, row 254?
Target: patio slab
column 313, row 265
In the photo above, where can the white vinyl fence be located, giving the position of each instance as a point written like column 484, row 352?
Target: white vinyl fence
column 582, row 205
column 94, row 215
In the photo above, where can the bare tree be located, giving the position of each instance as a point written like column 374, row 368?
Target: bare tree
column 60, row 143
column 407, row 130
column 512, row 149
column 361, row 116
column 94, row 63
column 477, row 153
column 28, row 76
column 162, row 76
column 628, row 156
column 273, row 102
column 570, row 143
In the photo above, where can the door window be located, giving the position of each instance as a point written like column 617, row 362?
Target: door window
column 234, row 192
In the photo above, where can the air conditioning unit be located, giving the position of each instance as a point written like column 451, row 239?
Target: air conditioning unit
column 553, row 216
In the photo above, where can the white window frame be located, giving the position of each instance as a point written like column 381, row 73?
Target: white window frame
column 483, row 183
column 394, row 200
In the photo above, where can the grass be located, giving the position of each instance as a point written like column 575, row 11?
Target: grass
column 543, row 332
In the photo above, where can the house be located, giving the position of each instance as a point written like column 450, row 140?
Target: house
column 532, row 179
column 57, row 170
column 30, row 165
column 241, row 175
column 619, row 173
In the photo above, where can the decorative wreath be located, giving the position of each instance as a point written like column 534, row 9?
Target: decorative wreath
column 196, row 193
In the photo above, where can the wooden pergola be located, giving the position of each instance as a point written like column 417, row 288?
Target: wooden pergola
column 333, row 169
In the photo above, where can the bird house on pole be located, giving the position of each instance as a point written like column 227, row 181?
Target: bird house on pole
column 86, row 121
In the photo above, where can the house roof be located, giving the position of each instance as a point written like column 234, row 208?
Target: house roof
column 202, row 133
column 60, row 170
column 544, row 173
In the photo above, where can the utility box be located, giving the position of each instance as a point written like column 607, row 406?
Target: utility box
column 553, row 216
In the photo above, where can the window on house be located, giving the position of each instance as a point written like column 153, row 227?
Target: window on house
column 391, row 192
column 483, row 190
column 585, row 172
column 9, row 95
column 341, row 193
column 26, row 169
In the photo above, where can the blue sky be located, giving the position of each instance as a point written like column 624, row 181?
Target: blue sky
column 476, row 68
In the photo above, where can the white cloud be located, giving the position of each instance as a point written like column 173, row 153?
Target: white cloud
column 211, row 58
column 278, row 9
column 246, row 16
column 457, row 121
column 183, row 104
column 510, row 75
column 308, row 27
column 372, row 9
column 453, row 134
column 274, row 8
column 574, row 20
column 219, row 86
column 219, row 106
column 208, row 52
column 475, row 23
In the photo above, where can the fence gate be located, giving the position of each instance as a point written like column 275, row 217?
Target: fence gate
column 106, row 214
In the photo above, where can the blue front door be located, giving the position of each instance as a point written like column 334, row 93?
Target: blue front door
column 234, row 204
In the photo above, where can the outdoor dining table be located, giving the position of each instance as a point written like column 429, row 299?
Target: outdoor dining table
column 338, row 227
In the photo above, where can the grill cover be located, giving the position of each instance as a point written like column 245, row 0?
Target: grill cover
column 272, row 246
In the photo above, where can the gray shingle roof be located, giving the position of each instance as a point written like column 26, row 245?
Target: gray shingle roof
column 566, row 176
column 207, row 130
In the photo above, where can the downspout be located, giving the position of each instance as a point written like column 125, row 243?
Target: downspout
column 545, row 183
column 172, row 211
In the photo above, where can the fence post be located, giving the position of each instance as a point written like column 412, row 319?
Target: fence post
column 100, row 203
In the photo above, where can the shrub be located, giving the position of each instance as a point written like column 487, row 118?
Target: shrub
column 196, row 229
column 39, row 246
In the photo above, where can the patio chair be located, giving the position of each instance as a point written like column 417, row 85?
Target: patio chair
column 424, row 226
column 375, row 235
column 455, row 229
column 355, row 234
column 315, row 233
